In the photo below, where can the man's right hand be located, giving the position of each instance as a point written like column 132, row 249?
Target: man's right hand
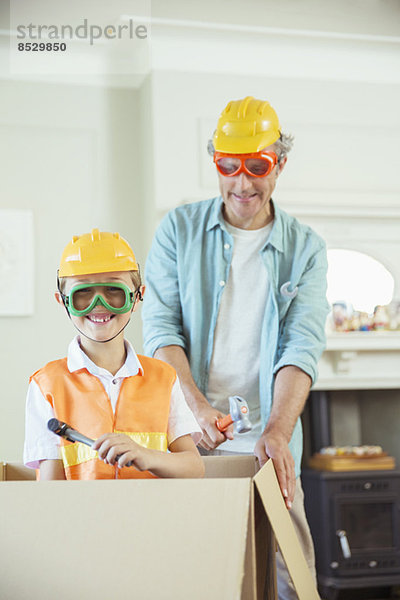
column 207, row 418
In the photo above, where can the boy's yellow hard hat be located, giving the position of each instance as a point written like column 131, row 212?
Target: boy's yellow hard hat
column 96, row 252
column 246, row 126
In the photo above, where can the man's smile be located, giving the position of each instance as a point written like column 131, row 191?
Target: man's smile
column 243, row 197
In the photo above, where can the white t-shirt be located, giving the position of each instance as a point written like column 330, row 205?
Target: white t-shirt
column 42, row 444
column 235, row 362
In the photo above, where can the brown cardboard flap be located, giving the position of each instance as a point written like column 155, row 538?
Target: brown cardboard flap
column 265, row 551
column 18, row 472
column 278, row 515
column 249, row 583
column 124, row 539
column 230, row 466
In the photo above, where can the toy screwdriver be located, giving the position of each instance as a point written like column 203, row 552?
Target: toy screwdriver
column 239, row 414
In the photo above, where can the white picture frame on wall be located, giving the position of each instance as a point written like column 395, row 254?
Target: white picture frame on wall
column 16, row 263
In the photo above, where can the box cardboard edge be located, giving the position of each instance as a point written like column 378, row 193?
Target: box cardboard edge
column 280, row 521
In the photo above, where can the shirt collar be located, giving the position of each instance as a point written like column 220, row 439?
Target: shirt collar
column 275, row 237
column 216, row 217
column 77, row 359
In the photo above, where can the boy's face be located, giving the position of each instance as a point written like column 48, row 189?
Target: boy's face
column 100, row 324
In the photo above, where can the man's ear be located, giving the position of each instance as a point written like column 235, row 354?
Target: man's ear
column 281, row 166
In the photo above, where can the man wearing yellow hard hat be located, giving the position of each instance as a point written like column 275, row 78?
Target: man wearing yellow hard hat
column 236, row 302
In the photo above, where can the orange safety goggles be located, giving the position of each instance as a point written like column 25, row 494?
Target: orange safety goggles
column 257, row 164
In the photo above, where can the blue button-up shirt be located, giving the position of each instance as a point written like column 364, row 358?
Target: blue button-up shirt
column 187, row 266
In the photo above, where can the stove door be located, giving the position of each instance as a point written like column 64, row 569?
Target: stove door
column 366, row 534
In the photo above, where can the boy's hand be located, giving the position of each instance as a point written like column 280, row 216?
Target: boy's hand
column 112, row 445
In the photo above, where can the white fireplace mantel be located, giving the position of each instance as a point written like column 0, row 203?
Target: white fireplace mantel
column 360, row 360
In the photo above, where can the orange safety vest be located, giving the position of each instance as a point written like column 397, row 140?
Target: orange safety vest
column 79, row 399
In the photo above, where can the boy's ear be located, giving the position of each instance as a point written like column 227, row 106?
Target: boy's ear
column 57, row 296
column 141, row 291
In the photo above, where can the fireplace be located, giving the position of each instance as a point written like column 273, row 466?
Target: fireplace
column 355, row 401
column 354, row 516
column 355, row 523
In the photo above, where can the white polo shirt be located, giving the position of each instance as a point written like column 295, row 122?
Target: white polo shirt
column 42, row 444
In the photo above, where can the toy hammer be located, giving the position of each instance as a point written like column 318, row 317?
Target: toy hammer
column 239, row 414
column 72, row 435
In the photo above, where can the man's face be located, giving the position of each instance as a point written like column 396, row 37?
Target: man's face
column 247, row 199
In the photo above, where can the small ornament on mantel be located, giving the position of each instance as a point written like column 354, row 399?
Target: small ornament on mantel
column 344, row 318
column 380, row 318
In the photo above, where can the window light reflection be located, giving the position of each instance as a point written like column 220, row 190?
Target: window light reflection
column 358, row 280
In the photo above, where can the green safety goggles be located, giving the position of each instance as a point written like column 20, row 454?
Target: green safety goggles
column 115, row 297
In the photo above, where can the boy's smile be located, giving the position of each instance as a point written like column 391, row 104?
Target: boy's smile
column 100, row 326
column 99, row 318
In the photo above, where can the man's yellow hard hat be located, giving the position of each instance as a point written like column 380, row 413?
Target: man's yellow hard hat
column 96, row 252
column 246, row 126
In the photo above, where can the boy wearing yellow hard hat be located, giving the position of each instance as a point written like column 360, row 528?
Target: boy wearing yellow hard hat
column 131, row 406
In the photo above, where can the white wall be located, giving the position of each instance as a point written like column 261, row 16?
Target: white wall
column 346, row 134
column 70, row 154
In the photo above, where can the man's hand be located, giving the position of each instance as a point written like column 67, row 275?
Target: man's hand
column 291, row 389
column 207, row 417
column 274, row 445
column 112, row 445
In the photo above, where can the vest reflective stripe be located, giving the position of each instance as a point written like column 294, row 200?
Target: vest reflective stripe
column 79, row 399
column 77, row 453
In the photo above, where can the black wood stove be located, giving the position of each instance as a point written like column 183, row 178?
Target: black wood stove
column 355, row 523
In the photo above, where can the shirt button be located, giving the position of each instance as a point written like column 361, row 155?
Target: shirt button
column 115, row 381
column 222, row 283
column 227, row 246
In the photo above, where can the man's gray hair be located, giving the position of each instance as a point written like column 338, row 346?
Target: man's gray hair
column 283, row 145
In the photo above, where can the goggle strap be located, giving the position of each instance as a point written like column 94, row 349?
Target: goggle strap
column 64, row 298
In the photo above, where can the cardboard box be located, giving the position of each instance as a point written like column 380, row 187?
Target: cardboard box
column 145, row 539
